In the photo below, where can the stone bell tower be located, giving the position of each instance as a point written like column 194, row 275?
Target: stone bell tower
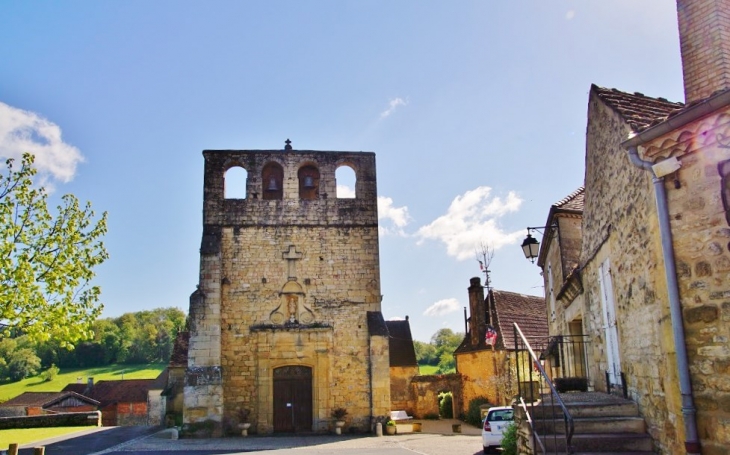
column 286, row 320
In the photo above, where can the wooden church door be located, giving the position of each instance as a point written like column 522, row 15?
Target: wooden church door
column 292, row 399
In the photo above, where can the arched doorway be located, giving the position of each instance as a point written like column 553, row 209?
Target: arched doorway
column 292, row 399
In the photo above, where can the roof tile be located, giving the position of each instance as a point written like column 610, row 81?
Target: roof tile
column 639, row 111
column 402, row 352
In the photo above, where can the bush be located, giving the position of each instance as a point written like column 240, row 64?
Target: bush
column 509, row 440
column 446, row 408
column 51, row 373
column 474, row 414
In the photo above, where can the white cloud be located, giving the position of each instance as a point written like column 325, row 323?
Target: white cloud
column 345, row 192
column 392, row 106
column 27, row 132
column 391, row 219
column 470, row 221
column 442, row 307
column 570, row 15
column 397, row 318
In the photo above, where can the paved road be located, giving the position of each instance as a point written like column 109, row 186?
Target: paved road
column 148, row 441
column 91, row 441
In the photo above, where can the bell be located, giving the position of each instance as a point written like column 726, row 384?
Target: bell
column 308, row 181
column 272, row 185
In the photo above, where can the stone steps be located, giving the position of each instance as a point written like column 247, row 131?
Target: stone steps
column 619, row 424
column 601, row 425
column 605, row 443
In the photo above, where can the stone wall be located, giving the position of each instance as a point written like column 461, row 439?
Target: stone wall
column 483, row 374
column 620, row 224
column 401, row 396
column 131, row 414
column 380, row 373
column 698, row 208
column 427, row 388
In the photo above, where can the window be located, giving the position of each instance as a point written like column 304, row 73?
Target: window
column 346, row 181
column 234, row 183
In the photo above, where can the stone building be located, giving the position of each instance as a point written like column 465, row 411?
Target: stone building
column 650, row 287
column 286, row 320
column 486, row 368
column 403, row 365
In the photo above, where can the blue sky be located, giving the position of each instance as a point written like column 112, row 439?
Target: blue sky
column 476, row 111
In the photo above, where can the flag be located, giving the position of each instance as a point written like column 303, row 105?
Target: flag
column 491, row 336
column 481, row 266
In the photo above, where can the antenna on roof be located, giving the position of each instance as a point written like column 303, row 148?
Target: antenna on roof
column 484, row 257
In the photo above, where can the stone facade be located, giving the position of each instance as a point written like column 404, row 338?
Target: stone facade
column 482, row 373
column 698, row 195
column 401, row 392
column 288, row 276
column 620, row 226
column 622, row 282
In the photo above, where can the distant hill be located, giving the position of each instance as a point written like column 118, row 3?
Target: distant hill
column 9, row 390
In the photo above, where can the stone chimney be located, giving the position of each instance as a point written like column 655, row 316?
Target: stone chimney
column 704, row 36
column 477, row 311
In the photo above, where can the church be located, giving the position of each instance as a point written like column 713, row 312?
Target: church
column 286, row 322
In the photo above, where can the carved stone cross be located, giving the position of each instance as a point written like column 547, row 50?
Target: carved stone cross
column 291, row 257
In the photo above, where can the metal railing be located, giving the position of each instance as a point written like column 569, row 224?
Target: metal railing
column 543, row 410
column 567, row 355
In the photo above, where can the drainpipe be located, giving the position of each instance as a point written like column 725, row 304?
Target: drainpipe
column 691, row 443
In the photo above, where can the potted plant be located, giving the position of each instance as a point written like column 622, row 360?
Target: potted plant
column 390, row 427
column 339, row 415
column 243, row 424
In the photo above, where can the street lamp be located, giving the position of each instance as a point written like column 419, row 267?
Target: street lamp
column 531, row 247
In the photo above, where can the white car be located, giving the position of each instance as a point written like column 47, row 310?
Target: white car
column 497, row 420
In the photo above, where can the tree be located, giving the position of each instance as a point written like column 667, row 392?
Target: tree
column 46, row 261
column 18, row 359
column 425, row 353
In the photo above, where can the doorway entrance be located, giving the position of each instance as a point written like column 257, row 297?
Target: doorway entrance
column 292, row 399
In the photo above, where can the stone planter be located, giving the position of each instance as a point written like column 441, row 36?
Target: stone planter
column 338, row 426
column 390, row 429
column 244, row 428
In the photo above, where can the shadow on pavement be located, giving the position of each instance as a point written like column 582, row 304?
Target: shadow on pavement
column 90, row 443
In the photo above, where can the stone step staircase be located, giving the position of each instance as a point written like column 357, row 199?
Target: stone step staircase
column 602, row 424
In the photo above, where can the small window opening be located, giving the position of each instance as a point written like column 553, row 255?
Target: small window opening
column 234, row 183
column 346, row 182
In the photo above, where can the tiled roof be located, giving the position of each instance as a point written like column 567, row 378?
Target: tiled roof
column 179, row 357
column 528, row 311
column 573, row 202
column 42, row 399
column 376, row 324
column 119, row 391
column 402, row 352
column 78, row 388
column 639, row 111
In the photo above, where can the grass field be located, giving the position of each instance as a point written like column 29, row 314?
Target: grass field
column 427, row 369
column 9, row 390
column 28, row 435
